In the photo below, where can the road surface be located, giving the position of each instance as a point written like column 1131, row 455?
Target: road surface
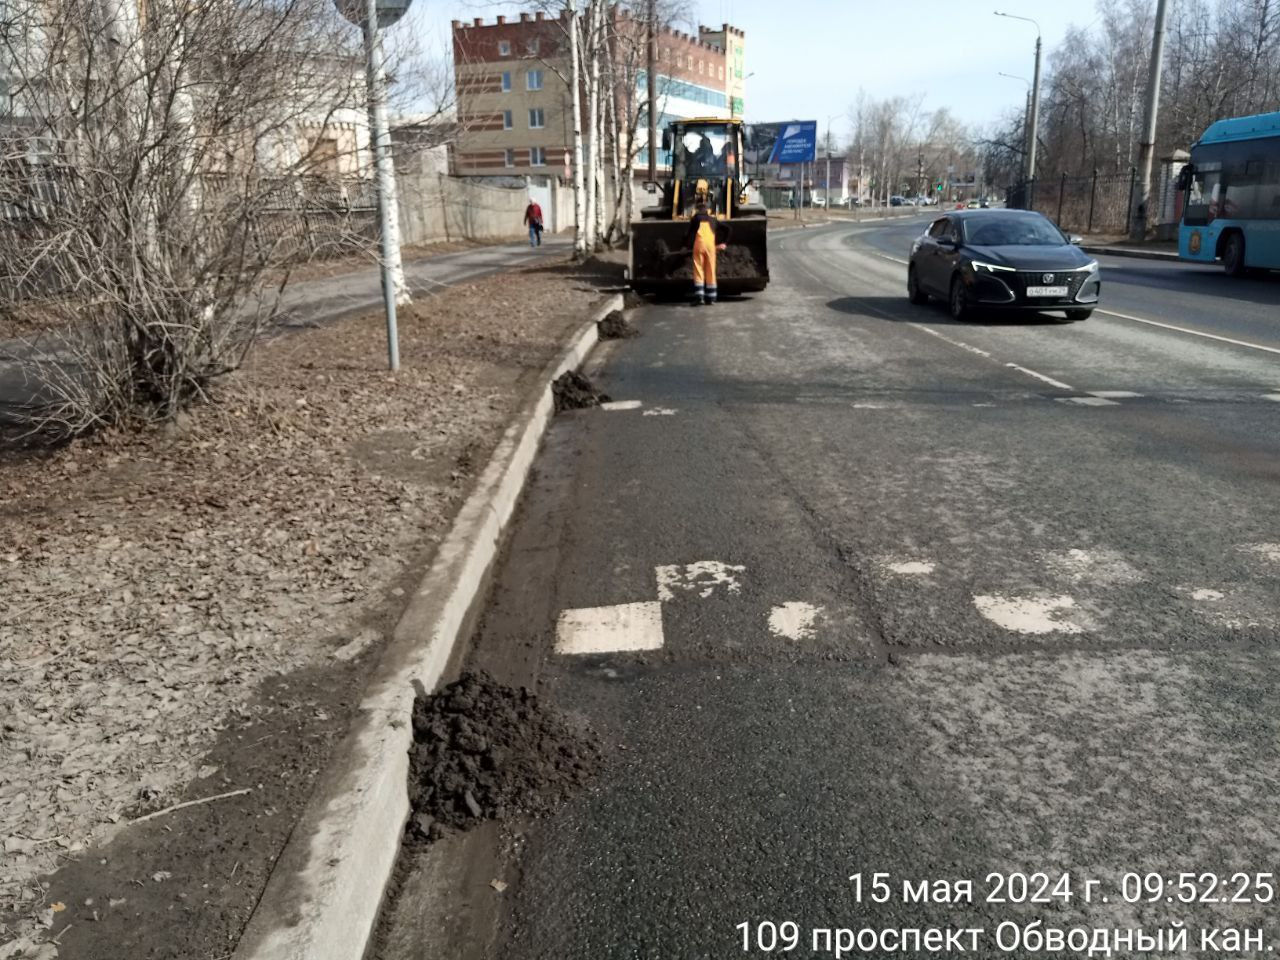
column 938, row 601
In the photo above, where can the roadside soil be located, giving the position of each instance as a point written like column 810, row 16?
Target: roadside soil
column 194, row 612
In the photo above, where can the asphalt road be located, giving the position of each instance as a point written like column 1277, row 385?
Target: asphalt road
column 933, row 600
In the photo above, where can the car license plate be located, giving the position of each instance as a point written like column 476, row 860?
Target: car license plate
column 1046, row 291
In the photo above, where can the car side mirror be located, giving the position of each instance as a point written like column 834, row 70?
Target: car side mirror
column 1075, row 238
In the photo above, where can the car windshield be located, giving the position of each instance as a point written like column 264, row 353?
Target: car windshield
column 1012, row 231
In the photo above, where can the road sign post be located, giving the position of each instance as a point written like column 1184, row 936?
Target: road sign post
column 372, row 16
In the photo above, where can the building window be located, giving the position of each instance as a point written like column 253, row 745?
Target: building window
column 533, row 80
column 533, row 46
column 720, row 72
column 506, row 80
column 537, row 120
column 537, row 156
column 510, row 157
column 699, row 66
column 506, row 120
column 504, row 48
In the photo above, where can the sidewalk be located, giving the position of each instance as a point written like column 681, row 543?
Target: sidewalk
column 193, row 613
column 1120, row 247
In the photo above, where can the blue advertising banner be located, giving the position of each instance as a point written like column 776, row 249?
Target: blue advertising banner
column 793, row 142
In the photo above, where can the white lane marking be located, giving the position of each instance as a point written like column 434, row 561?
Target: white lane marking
column 659, row 412
column 1267, row 551
column 621, row 405
column 912, row 567
column 885, row 256
column 868, row 406
column 616, row 629
column 702, row 577
column 1115, row 394
column 1088, row 401
column 1271, row 396
column 1040, row 376
column 984, row 404
column 1194, row 333
column 955, row 343
column 793, row 620
column 1036, row 615
column 1205, row 594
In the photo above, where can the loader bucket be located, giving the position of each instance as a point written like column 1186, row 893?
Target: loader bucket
column 661, row 264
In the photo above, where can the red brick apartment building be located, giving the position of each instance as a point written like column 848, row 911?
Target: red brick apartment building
column 513, row 98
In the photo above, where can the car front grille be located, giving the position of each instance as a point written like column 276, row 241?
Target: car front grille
column 1073, row 280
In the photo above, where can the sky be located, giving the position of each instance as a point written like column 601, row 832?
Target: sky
column 810, row 57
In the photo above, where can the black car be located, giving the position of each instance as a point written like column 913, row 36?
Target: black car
column 980, row 260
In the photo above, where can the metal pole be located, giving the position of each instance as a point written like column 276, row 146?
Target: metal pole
column 1026, row 138
column 1093, row 198
column 1129, row 218
column 1035, row 113
column 651, row 82
column 388, row 234
column 1138, row 217
column 1062, row 192
column 826, row 188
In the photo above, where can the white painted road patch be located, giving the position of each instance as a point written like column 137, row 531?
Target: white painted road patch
column 621, row 405
column 617, row 629
column 702, row 578
column 1089, row 401
column 659, row 412
column 1205, row 594
column 913, row 568
column 1034, row 615
column 793, row 620
column 1267, row 551
column 1115, row 394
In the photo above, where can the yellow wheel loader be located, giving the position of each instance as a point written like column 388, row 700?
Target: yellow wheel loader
column 706, row 164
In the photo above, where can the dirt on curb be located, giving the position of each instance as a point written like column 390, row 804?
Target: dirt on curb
column 194, row 611
column 615, row 326
column 484, row 751
column 573, row 391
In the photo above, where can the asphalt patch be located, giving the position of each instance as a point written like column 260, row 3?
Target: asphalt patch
column 615, row 326
column 573, row 391
column 485, row 751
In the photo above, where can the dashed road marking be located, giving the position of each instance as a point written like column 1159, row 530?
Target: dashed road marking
column 659, row 412
column 620, row 628
column 1115, row 394
column 1040, row 376
column 621, row 405
column 1271, row 396
column 793, row 620
column 702, row 577
column 1089, row 401
column 1032, row 615
column 912, row 568
column 955, row 343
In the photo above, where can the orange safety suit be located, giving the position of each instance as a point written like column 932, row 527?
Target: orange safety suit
column 704, row 231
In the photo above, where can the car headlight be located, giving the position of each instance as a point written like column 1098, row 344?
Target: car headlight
column 1091, row 266
column 992, row 267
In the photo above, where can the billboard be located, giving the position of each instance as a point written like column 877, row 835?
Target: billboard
column 795, row 141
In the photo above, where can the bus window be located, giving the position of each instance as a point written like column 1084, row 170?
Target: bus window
column 1204, row 194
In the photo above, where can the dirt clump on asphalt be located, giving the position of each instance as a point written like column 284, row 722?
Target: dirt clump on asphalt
column 486, row 751
column 615, row 326
column 573, row 391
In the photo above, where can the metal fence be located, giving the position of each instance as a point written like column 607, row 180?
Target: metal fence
column 1099, row 203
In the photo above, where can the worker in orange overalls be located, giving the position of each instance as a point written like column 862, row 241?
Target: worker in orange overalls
column 706, row 236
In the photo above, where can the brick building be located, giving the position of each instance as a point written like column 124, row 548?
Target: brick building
column 515, row 114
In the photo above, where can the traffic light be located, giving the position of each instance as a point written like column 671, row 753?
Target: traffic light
column 938, row 187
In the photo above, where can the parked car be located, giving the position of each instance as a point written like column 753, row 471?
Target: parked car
column 896, row 201
column 818, row 202
column 995, row 260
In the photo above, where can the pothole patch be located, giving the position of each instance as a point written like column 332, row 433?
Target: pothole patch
column 703, row 578
column 793, row 620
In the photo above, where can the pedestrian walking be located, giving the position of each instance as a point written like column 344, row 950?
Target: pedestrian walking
column 706, row 236
column 533, row 219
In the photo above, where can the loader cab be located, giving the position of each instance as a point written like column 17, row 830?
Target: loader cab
column 704, row 157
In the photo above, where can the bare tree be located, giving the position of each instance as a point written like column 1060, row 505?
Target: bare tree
column 136, row 180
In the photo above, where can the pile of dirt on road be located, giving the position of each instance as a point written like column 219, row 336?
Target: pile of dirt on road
column 486, row 751
column 573, row 391
column 615, row 326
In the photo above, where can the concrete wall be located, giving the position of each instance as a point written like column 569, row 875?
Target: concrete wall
column 435, row 207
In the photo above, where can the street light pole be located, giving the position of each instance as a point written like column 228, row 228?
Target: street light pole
column 1026, row 121
column 1035, row 98
column 1142, row 196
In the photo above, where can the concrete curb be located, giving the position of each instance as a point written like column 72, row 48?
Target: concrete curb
column 325, row 892
column 1128, row 252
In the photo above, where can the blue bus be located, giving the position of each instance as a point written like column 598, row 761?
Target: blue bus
column 1231, row 195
